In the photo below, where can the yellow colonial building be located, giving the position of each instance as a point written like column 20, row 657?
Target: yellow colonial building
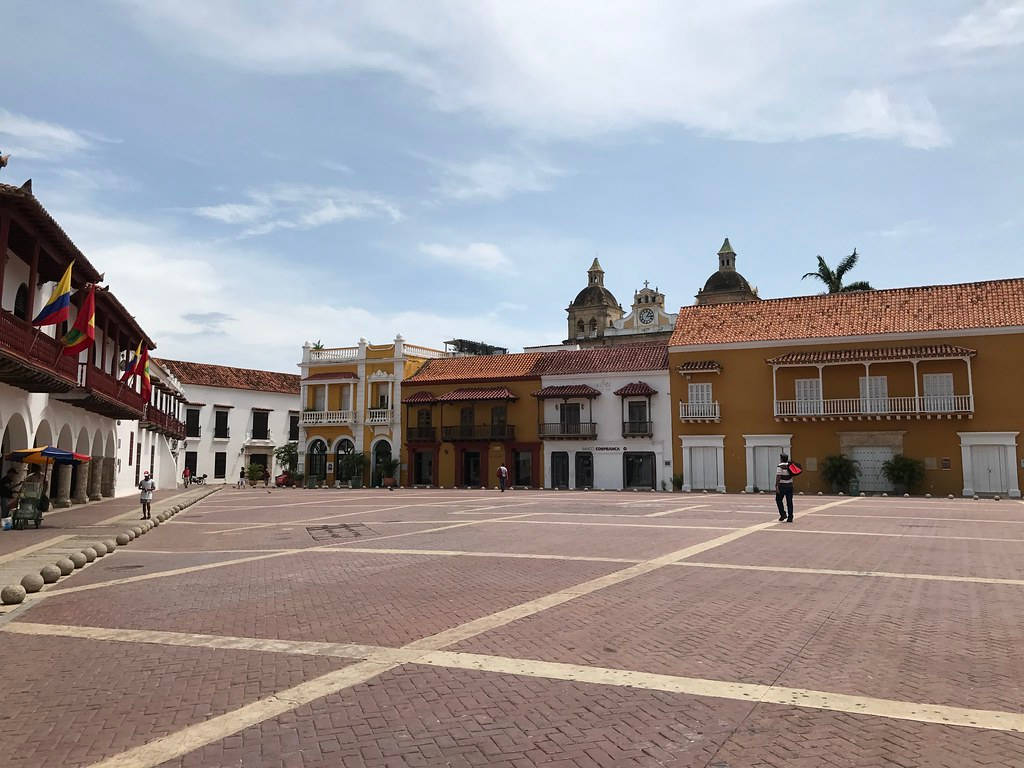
column 350, row 398
column 934, row 373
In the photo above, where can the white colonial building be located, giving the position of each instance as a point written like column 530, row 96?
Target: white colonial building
column 234, row 417
column 604, row 418
column 75, row 403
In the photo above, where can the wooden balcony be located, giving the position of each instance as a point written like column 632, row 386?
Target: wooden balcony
column 100, row 393
column 479, row 432
column 637, row 428
column 31, row 360
column 421, row 434
column 157, row 421
column 876, row 408
column 584, row 430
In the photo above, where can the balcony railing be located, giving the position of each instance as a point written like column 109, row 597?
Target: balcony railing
column 328, row 417
column 479, row 432
column 333, row 355
column 109, row 397
column 380, row 416
column 428, row 434
column 699, row 411
column 45, row 369
column 637, row 428
column 159, row 421
column 257, row 435
column 193, row 430
column 221, row 434
column 582, row 430
column 876, row 406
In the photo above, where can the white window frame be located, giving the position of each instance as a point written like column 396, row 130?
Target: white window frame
column 805, row 404
column 700, row 397
column 874, row 394
column 937, row 398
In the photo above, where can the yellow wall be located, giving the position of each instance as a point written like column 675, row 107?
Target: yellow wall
column 521, row 413
column 744, row 391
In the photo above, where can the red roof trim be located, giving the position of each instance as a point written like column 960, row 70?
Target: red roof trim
column 567, row 390
column 636, row 389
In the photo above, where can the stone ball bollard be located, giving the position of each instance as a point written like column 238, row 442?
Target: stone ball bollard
column 137, row 531
column 12, row 594
column 32, row 582
column 927, row 495
column 50, row 573
column 950, row 496
column 65, row 566
column 885, row 494
column 110, row 544
column 862, row 493
column 101, row 548
column 89, row 553
column 78, row 559
column 976, row 497
column 995, row 498
column 123, row 538
column 906, row 495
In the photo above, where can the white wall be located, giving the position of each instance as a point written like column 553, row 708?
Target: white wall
column 610, row 445
column 237, row 446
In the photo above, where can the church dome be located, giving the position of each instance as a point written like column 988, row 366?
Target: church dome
column 727, row 281
column 594, row 296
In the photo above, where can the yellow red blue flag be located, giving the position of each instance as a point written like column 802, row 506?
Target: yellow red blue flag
column 57, row 308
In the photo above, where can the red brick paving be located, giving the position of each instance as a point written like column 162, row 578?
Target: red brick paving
column 70, row 702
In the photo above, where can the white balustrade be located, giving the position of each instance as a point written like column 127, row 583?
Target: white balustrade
column 415, row 350
column 872, row 406
column 333, row 354
column 310, row 418
column 699, row 410
column 380, row 416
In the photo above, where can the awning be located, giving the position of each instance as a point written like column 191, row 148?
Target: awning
column 420, row 397
column 876, row 355
column 46, row 454
column 700, row 366
column 567, row 390
column 468, row 395
column 636, row 389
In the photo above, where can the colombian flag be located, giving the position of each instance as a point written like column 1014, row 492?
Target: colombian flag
column 83, row 332
column 56, row 309
column 130, row 366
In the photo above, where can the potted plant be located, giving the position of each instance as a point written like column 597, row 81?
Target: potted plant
column 839, row 472
column 352, row 467
column 677, row 482
column 906, row 474
column 388, row 468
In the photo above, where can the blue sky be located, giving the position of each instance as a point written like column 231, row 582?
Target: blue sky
column 254, row 174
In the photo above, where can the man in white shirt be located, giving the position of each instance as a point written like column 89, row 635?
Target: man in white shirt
column 784, row 489
column 502, row 476
column 146, row 488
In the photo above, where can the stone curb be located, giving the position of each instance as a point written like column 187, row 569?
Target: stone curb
column 13, row 594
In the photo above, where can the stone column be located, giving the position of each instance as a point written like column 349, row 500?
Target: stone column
column 80, row 493
column 108, row 476
column 95, row 478
column 63, row 498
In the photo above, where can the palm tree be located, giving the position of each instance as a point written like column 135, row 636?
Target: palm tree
column 833, row 279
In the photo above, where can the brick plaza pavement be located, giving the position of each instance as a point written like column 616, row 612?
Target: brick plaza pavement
column 558, row 629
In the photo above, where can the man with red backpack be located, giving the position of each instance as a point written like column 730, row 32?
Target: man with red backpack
column 784, row 474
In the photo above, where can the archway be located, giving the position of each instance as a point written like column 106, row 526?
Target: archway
column 65, row 441
column 380, row 453
column 15, row 438
column 342, row 466
column 317, row 469
column 97, row 444
column 44, row 435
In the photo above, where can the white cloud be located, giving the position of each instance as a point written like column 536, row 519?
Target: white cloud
column 475, row 256
column 496, row 177
column 298, row 206
column 27, row 138
column 997, row 24
column 760, row 70
column 907, row 229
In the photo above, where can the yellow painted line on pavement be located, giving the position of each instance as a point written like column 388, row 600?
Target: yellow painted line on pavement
column 677, row 509
column 874, row 574
column 196, row 736
column 19, row 553
column 383, row 659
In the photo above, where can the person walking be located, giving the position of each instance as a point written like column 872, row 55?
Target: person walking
column 186, row 476
column 502, row 476
column 146, row 487
column 266, row 477
column 241, row 478
column 784, row 489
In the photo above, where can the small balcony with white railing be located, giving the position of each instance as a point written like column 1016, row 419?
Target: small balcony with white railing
column 700, row 412
column 327, row 418
column 379, row 416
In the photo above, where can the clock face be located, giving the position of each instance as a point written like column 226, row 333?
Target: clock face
column 646, row 316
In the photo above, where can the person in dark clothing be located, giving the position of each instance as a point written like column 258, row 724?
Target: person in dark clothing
column 784, row 489
column 7, row 488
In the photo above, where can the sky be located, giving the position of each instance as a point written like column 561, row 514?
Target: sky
column 252, row 174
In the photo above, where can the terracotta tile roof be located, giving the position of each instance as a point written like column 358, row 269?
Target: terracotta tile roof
column 227, row 377
column 477, row 368
column 331, row 376
column 871, row 355
column 467, row 395
column 567, row 390
column 627, row 357
column 696, row 366
column 636, row 388
column 964, row 306
column 420, row 397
